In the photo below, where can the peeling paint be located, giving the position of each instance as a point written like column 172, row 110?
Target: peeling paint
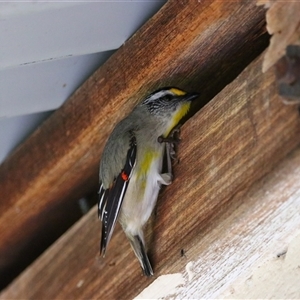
column 163, row 286
column 190, row 270
column 274, row 278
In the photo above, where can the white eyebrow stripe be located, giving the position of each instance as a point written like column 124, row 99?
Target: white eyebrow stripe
column 157, row 95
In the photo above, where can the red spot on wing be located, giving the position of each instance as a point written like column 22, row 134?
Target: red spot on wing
column 124, row 176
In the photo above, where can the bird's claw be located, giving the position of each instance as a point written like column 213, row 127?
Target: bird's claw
column 172, row 140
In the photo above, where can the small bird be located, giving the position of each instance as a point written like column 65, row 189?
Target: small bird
column 131, row 166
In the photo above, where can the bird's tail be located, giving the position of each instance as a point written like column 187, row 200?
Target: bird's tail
column 139, row 249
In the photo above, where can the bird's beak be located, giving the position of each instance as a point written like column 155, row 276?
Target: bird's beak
column 191, row 96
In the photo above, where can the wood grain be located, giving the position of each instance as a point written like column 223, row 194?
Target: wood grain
column 197, row 45
column 236, row 139
column 237, row 258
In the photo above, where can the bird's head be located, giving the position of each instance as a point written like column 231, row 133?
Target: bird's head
column 169, row 101
column 169, row 104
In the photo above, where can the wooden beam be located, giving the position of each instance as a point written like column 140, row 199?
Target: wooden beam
column 250, row 252
column 198, row 45
column 236, row 139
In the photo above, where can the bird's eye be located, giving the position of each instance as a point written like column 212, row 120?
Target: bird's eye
column 168, row 97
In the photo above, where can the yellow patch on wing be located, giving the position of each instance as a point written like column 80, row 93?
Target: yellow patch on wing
column 177, row 92
column 180, row 113
column 146, row 162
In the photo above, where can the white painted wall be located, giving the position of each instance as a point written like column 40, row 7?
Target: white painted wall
column 48, row 49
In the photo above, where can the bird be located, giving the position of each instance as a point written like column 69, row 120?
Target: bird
column 131, row 167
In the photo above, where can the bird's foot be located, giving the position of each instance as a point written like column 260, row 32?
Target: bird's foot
column 172, row 140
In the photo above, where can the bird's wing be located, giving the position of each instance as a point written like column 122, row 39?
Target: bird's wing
column 110, row 200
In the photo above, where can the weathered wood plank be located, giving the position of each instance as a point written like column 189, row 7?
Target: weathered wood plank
column 198, row 45
column 233, row 141
column 238, row 257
